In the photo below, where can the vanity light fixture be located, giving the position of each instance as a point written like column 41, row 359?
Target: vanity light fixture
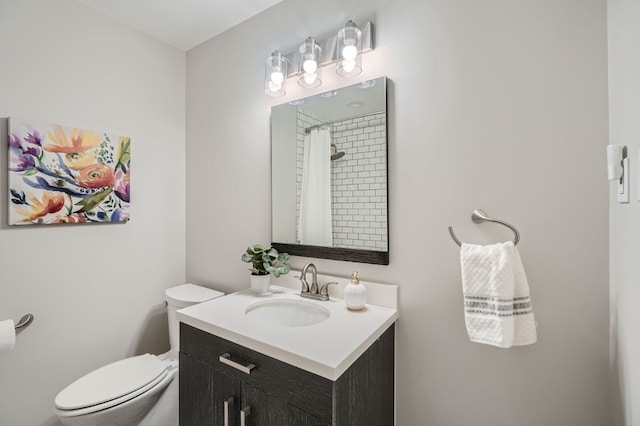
column 349, row 52
column 308, row 69
column 344, row 48
column 275, row 74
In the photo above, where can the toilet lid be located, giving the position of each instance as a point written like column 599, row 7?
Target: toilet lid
column 189, row 294
column 111, row 381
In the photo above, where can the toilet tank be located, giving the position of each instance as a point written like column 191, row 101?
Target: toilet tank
column 180, row 297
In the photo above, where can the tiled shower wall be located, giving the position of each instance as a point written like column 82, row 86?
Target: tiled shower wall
column 359, row 183
column 358, row 180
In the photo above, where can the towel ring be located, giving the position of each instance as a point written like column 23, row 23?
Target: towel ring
column 479, row 216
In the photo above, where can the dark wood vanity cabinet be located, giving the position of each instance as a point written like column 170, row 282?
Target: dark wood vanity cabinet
column 278, row 394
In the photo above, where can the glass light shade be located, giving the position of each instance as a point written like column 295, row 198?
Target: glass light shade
column 308, row 70
column 275, row 74
column 349, row 52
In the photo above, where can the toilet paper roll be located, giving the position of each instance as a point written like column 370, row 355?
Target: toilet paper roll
column 7, row 335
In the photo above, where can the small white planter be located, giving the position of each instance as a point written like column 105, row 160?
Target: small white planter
column 260, row 283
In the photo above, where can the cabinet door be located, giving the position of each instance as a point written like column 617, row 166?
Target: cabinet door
column 207, row 396
column 307, row 391
column 309, row 420
column 266, row 410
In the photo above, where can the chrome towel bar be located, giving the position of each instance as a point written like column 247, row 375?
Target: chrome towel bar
column 479, row 216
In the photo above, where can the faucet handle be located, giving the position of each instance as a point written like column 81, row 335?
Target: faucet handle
column 324, row 290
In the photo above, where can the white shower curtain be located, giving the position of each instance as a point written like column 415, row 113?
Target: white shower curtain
column 314, row 224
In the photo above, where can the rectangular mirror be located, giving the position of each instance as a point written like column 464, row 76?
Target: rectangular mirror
column 329, row 175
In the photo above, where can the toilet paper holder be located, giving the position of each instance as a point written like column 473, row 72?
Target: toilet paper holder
column 24, row 321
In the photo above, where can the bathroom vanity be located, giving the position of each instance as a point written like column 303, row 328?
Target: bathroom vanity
column 235, row 370
column 277, row 393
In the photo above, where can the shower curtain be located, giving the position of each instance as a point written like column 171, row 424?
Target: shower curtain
column 314, row 224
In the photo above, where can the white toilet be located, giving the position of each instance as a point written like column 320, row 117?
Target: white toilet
column 123, row 392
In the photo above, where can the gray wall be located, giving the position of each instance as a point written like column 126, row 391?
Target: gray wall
column 624, row 226
column 95, row 290
column 500, row 105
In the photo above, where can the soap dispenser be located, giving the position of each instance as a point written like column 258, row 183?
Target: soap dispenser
column 355, row 294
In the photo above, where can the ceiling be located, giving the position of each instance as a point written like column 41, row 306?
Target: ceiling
column 181, row 23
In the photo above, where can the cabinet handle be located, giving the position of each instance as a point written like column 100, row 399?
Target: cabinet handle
column 244, row 413
column 227, row 403
column 226, row 359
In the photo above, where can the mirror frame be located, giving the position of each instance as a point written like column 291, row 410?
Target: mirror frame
column 334, row 253
column 338, row 253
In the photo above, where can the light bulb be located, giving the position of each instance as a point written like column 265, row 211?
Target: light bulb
column 348, row 66
column 277, row 77
column 310, row 66
column 349, row 52
column 274, row 87
column 309, row 78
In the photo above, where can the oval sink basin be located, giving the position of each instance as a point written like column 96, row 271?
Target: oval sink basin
column 287, row 313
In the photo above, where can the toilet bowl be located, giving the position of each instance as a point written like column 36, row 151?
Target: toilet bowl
column 123, row 392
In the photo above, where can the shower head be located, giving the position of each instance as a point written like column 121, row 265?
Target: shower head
column 336, row 155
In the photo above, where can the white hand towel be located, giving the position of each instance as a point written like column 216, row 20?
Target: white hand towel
column 7, row 335
column 496, row 295
column 524, row 323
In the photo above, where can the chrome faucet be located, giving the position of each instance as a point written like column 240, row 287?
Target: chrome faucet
column 314, row 278
column 311, row 291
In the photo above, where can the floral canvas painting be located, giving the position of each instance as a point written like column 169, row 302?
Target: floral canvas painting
column 67, row 175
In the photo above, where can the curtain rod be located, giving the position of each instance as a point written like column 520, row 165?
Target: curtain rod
column 317, row 126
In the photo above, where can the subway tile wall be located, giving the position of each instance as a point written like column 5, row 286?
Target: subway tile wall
column 358, row 180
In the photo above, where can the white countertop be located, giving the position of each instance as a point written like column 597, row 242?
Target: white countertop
column 327, row 349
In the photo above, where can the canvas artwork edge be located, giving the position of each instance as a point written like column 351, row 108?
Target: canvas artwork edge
column 60, row 174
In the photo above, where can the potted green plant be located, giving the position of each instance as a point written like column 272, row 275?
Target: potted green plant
column 264, row 262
